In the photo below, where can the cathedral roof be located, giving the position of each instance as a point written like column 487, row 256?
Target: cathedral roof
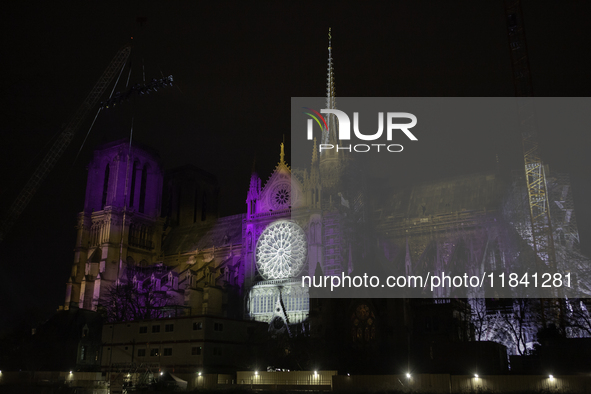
column 218, row 233
column 472, row 192
column 188, row 170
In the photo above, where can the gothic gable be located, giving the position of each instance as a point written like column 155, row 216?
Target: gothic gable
column 281, row 190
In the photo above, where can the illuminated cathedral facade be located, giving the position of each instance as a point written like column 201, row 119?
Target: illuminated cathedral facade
column 158, row 236
column 241, row 266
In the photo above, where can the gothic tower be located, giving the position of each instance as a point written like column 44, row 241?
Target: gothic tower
column 120, row 223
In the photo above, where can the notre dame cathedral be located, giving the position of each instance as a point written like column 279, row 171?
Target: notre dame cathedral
column 160, row 234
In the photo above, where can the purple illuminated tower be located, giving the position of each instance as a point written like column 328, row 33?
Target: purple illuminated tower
column 120, row 222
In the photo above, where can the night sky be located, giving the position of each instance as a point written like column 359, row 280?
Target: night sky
column 236, row 66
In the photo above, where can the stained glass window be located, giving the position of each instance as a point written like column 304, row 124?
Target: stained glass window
column 281, row 250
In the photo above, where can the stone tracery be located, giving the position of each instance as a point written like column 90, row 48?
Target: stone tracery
column 281, row 250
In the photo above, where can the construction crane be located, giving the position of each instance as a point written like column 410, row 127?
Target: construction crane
column 541, row 235
column 62, row 142
column 541, row 225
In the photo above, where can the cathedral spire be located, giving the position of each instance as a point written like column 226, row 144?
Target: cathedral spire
column 330, row 86
column 329, row 135
column 314, row 153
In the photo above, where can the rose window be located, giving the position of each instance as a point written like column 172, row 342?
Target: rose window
column 281, row 250
column 282, row 197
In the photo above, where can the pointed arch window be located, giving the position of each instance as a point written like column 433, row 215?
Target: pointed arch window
column 363, row 325
column 105, row 187
column 143, row 188
column 178, row 202
column 170, row 196
column 196, row 204
column 133, row 176
column 204, row 207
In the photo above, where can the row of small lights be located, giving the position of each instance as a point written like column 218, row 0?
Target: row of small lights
column 408, row 375
column 256, row 373
column 476, row 376
column 162, row 373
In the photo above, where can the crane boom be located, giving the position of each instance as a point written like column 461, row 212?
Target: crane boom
column 541, row 225
column 62, row 142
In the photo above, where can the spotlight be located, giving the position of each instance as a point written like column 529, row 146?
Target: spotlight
column 408, row 375
column 551, row 377
column 256, row 373
column 70, row 372
column 199, row 373
column 348, row 374
column 476, row 375
column 161, row 373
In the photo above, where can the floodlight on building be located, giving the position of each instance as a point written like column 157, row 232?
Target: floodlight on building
column 315, row 373
column 161, row 373
column 551, row 377
column 348, row 374
column 256, row 373
column 70, row 372
column 408, row 375
column 476, row 375
column 199, row 373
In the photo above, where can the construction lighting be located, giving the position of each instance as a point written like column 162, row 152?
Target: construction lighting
column 141, row 89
